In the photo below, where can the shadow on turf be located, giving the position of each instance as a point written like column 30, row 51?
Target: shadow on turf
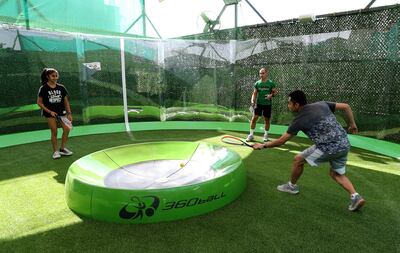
column 373, row 157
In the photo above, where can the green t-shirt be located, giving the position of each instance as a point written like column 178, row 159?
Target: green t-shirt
column 263, row 89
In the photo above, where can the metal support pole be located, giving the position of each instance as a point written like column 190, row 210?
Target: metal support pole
column 144, row 17
column 217, row 20
column 123, row 80
column 236, row 22
column 369, row 5
column 26, row 14
column 254, row 9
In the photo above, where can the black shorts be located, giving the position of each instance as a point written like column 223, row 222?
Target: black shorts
column 59, row 113
column 264, row 110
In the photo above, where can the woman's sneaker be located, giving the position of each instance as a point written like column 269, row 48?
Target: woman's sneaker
column 56, row 155
column 65, row 152
column 356, row 203
column 292, row 189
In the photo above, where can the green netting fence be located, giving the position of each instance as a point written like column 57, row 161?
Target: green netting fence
column 352, row 58
column 89, row 16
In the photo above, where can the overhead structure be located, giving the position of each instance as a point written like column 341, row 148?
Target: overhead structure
column 143, row 16
column 370, row 4
column 80, row 16
column 211, row 24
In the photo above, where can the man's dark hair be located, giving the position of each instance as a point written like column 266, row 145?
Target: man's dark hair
column 298, row 96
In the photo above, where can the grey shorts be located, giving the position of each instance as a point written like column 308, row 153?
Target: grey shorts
column 315, row 157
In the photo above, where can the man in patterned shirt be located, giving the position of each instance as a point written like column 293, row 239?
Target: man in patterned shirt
column 319, row 123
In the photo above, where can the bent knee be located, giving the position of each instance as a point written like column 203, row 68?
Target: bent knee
column 334, row 174
column 298, row 159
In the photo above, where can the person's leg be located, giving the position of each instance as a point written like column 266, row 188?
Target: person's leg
column 52, row 123
column 343, row 181
column 64, row 137
column 310, row 155
column 267, row 117
column 297, row 168
column 356, row 200
column 266, row 128
column 337, row 172
column 253, row 123
column 63, row 150
column 266, row 124
column 338, row 169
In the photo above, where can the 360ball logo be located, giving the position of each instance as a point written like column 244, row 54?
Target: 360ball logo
column 137, row 206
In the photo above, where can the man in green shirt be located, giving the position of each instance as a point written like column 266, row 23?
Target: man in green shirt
column 261, row 101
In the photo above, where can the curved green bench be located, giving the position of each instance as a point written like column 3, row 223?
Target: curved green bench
column 153, row 182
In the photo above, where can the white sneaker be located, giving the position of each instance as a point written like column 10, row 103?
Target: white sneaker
column 250, row 137
column 288, row 188
column 65, row 152
column 265, row 138
column 356, row 203
column 56, row 155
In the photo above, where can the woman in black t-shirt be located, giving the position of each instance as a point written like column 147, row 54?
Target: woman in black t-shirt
column 53, row 100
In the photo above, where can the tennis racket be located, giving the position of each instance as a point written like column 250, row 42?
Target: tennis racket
column 229, row 139
column 64, row 120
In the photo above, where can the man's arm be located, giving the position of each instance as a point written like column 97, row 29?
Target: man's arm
column 273, row 93
column 349, row 116
column 275, row 143
column 254, row 97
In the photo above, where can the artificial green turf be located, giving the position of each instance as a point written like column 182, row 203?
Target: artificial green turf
column 35, row 218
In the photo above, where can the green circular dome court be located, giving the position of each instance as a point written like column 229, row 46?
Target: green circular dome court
column 154, row 182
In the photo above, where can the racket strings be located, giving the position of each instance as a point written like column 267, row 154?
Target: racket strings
column 232, row 140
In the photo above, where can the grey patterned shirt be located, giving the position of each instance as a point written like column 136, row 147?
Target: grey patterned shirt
column 319, row 123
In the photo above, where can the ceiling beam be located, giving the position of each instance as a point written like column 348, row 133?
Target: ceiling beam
column 369, row 5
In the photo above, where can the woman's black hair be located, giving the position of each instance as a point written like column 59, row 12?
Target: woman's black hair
column 299, row 97
column 45, row 73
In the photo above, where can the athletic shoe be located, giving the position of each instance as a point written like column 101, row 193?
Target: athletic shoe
column 56, row 155
column 65, row 152
column 250, row 137
column 289, row 189
column 356, row 203
column 265, row 138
